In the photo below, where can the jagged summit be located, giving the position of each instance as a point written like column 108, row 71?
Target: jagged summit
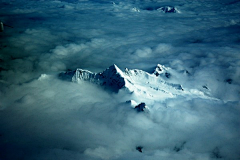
column 137, row 82
column 168, row 9
column 133, row 80
column 161, row 70
column 114, row 67
column 112, row 77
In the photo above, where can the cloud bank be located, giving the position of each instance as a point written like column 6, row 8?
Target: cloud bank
column 44, row 117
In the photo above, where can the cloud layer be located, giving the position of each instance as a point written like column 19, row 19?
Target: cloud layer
column 43, row 117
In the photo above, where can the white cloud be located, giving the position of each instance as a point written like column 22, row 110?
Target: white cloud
column 145, row 52
column 43, row 117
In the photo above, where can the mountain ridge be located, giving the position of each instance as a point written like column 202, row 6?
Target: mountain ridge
column 141, row 84
column 138, row 86
column 116, row 79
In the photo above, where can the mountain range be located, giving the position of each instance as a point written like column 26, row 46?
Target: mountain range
column 143, row 86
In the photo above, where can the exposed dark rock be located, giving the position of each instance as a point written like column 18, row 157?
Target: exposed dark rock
column 113, row 79
column 177, row 86
column 186, row 72
column 168, row 75
column 164, row 9
column 139, row 148
column 229, row 81
column 216, row 153
column 160, row 69
column 168, row 9
column 140, row 107
column 180, row 147
column 205, row 87
column 157, row 74
column 67, row 76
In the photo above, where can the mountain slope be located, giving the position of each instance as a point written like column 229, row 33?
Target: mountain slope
column 139, row 83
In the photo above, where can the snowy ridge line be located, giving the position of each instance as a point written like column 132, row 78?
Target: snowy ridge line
column 112, row 77
column 116, row 79
column 137, row 82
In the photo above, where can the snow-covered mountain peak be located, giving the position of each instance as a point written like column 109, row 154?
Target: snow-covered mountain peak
column 138, row 83
column 81, row 74
column 113, row 70
column 160, row 69
column 111, row 78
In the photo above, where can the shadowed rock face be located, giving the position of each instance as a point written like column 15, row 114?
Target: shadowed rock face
column 142, row 85
column 216, row 153
column 179, row 147
column 112, row 78
column 139, row 148
column 116, row 79
column 163, row 9
column 229, row 81
column 162, row 70
column 140, row 107
column 67, row 76
column 168, row 9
